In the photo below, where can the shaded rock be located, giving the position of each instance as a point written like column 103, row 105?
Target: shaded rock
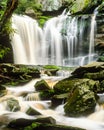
column 59, row 99
column 32, row 111
column 38, row 126
column 3, row 91
column 13, row 105
column 96, row 76
column 47, row 94
column 82, row 102
column 21, row 122
column 41, row 85
column 93, row 67
column 17, row 73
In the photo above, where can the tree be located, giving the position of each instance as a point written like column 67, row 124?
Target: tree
column 10, row 7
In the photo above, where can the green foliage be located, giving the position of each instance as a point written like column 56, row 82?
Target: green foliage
column 28, row 4
column 32, row 126
column 7, row 28
column 3, row 51
column 46, row 95
column 51, row 67
column 42, row 20
column 2, row 7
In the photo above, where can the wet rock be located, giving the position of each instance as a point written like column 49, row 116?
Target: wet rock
column 52, row 127
column 32, row 111
column 93, row 67
column 67, row 85
column 3, row 91
column 47, row 94
column 82, row 102
column 41, row 85
column 21, row 122
column 13, row 105
column 11, row 73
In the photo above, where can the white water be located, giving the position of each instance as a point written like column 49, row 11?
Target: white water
column 94, row 121
column 61, row 42
column 26, row 42
column 92, row 34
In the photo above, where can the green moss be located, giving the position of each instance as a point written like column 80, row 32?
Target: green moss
column 79, row 5
column 46, row 95
column 3, row 51
column 51, row 67
column 42, row 20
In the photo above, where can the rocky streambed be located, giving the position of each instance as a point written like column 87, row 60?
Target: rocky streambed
column 41, row 99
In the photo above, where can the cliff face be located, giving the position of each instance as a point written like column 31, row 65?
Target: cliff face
column 75, row 6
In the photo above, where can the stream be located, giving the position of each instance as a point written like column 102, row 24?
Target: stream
column 94, row 121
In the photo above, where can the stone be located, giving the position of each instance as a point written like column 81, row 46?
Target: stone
column 81, row 103
column 13, row 105
column 41, row 85
column 3, row 91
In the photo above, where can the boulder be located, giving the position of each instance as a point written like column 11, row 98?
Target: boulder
column 21, row 122
column 67, row 85
column 41, row 85
column 12, row 73
column 93, row 67
column 80, row 103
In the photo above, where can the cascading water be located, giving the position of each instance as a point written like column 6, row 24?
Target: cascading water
column 63, row 41
column 92, row 34
column 26, row 42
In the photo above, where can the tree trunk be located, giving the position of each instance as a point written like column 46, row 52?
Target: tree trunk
column 10, row 7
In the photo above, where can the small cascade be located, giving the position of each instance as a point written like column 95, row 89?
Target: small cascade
column 63, row 41
column 92, row 34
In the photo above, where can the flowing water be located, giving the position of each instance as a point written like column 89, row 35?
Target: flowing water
column 64, row 40
column 94, row 121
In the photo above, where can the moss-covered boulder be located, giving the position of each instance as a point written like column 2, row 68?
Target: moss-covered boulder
column 17, row 73
column 82, row 102
column 91, row 68
column 67, row 85
column 41, row 85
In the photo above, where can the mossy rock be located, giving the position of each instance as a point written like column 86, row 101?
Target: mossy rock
column 51, row 69
column 32, row 112
column 3, row 91
column 67, row 85
column 93, row 67
column 47, row 126
column 22, row 122
column 80, row 103
column 84, row 6
column 11, row 73
column 47, row 94
column 13, row 105
column 96, row 76
column 64, row 86
column 41, row 85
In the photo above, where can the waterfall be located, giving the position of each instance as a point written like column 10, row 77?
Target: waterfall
column 64, row 40
column 26, row 41
column 92, row 34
